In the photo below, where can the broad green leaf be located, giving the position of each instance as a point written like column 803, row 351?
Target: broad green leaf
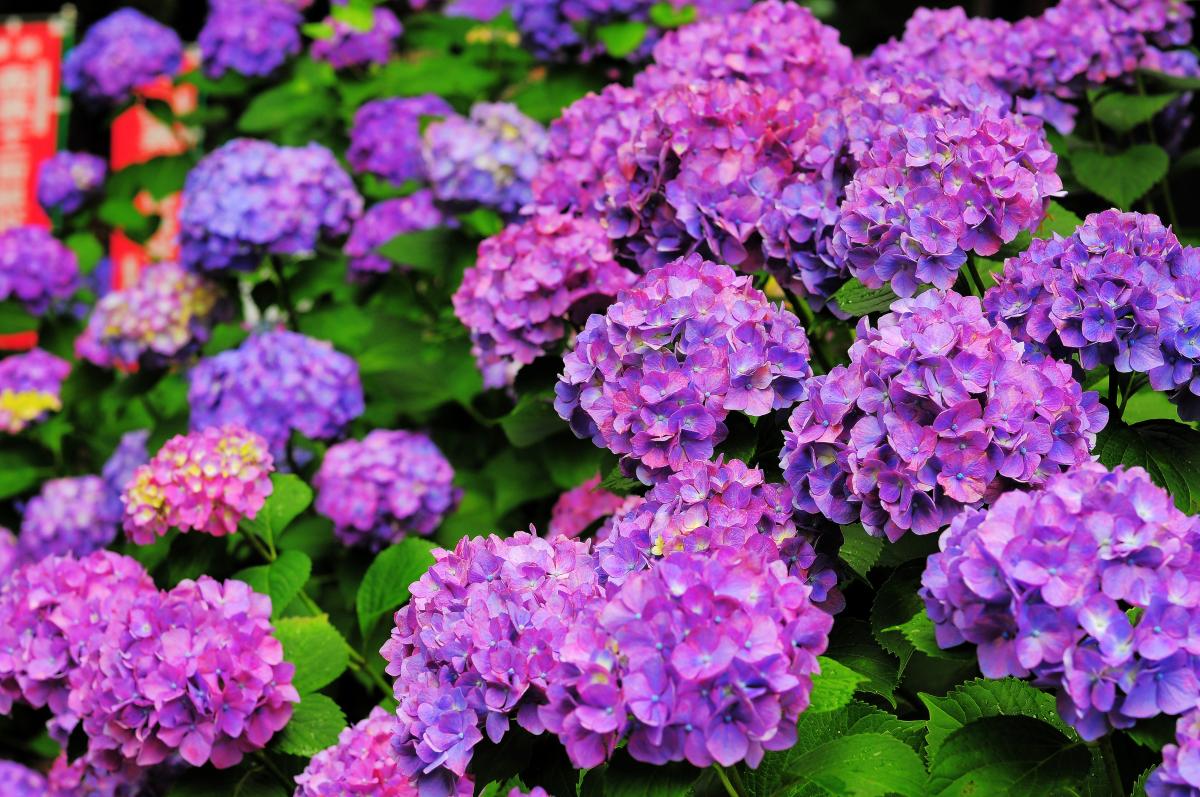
column 622, row 38
column 669, row 15
column 384, row 587
column 625, row 777
column 120, row 212
column 282, row 579
column 87, row 248
column 315, row 724
column 1187, row 162
column 896, row 602
column 355, row 13
column 615, row 481
column 918, row 632
column 1154, row 733
column 1139, row 785
column 483, row 222
column 517, row 479
column 570, row 461
column 1145, row 405
column 1122, row 178
column 1123, row 112
column 289, row 497
column 1171, row 81
column 860, row 551
column 423, row 250
column 418, row 374
column 14, row 318
column 320, row 31
column 1169, row 451
column 1058, row 220
column 834, row 686
column 909, row 548
column 986, row 698
column 316, row 648
column 860, row 765
column 294, row 102
column 544, row 100
column 859, row 300
column 853, row 646
column 249, row 779
column 531, row 421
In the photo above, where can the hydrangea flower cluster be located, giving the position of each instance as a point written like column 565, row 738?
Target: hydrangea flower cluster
column 83, row 777
column 74, row 514
column 251, row 198
column 711, row 505
column 36, row 268
column 349, row 47
column 383, row 222
column 488, row 158
column 705, row 657
column 121, row 53
column 1043, row 583
column 30, row 384
column 388, row 485
column 578, row 508
column 18, row 780
column 167, row 314
column 194, row 671
column 362, row 762
column 475, row 645
column 249, row 37
column 275, row 383
column 1179, row 775
column 129, row 455
column 654, row 378
column 67, row 180
column 205, row 481
column 937, row 410
column 527, row 282
column 549, row 28
column 385, row 139
column 1120, row 291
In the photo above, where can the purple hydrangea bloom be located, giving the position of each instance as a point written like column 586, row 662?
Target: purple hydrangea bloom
column 937, row 410
column 252, row 198
column 578, row 508
column 528, row 284
column 475, row 645
column 250, row 37
column 350, row 47
column 385, row 139
column 67, row 180
column 383, row 222
column 36, row 269
column 130, row 454
column 18, row 780
column 390, row 484
column 1120, row 291
column 83, row 778
column 120, row 53
column 1179, row 775
column 487, row 158
column 705, row 657
column 1045, row 584
column 30, row 384
column 654, row 378
column 362, row 762
column 274, row 383
column 74, row 514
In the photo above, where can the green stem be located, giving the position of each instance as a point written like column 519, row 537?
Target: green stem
column 801, row 309
column 269, row 765
column 1110, row 764
column 1114, row 404
column 729, row 789
column 257, row 545
column 371, row 676
column 975, row 277
column 285, row 294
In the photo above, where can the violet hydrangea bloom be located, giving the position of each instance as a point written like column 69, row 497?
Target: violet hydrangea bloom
column 518, row 298
column 381, row 223
column 1043, row 583
column 129, row 455
column 74, row 514
column 385, row 139
column 501, row 609
column 249, row 37
column 84, row 777
column 205, row 481
column 18, row 780
column 120, row 53
column 705, row 657
column 67, row 180
column 36, row 269
column 654, row 378
column 275, row 383
column 937, row 410
column 1179, row 775
column 251, row 198
column 362, row 762
column 487, row 158
column 384, row 487
column 167, row 314
column 1119, row 291
column 350, row 47
column 30, row 384
column 578, row 508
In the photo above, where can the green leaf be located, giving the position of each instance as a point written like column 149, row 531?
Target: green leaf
column 1169, row 451
column 625, row 777
column 918, row 632
column 1122, row 178
column 417, row 373
column 321, row 31
column 384, row 587
column 895, row 602
column 1154, row 733
column 518, row 479
column 358, row 14
column 289, row 497
column 622, row 38
column 295, row 102
column 15, row 318
column 1123, row 112
column 1172, row 81
column 853, row 646
column 121, row 213
column 1008, row 755
column 282, row 579
column 860, row 551
column 22, row 465
column 316, row 648
column 1187, row 162
column 615, row 481
column 859, row 765
column 973, row 700
column 424, row 250
column 247, row 780
column 483, row 222
column 315, row 725
column 531, row 421
column 1139, row 785
column 1058, row 220
column 544, row 100
column 859, row 300
column 834, row 686
column 87, row 248
column 668, row 15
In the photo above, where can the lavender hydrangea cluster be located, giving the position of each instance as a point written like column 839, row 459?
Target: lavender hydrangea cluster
column 129, row 455
column 36, row 269
column 1119, row 291
column 577, row 509
column 74, row 514
column 166, row 315
column 68, row 180
column 121, row 53
column 475, row 645
column 527, row 283
column 384, row 487
column 937, row 410
column 362, row 762
column 485, row 159
column 654, row 378
column 249, row 37
column 350, row 47
column 206, row 481
column 84, row 777
column 275, row 383
column 550, row 28
column 705, row 657
column 707, row 506
column 385, row 139
column 30, row 387
column 1087, row 585
column 1179, row 775
column 383, row 222
column 18, row 780
column 251, row 198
